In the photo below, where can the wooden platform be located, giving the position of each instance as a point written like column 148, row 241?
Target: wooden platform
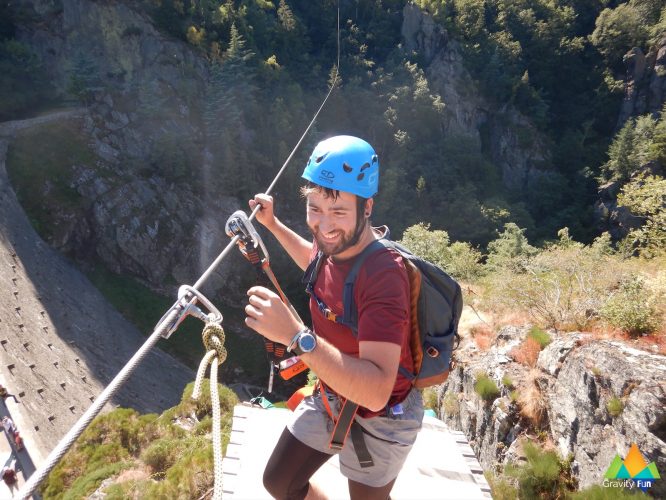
column 440, row 466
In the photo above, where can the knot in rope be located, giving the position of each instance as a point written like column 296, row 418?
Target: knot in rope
column 213, row 340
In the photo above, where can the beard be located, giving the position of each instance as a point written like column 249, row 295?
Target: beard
column 345, row 241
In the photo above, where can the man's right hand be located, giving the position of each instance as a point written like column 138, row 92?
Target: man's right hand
column 265, row 216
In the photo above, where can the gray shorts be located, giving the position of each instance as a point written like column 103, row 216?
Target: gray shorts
column 389, row 439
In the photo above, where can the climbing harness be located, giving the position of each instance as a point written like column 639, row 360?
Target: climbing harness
column 253, row 249
column 213, row 340
column 186, row 304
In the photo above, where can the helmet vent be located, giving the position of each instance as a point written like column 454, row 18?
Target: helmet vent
column 321, row 158
column 360, row 177
column 365, row 165
column 346, row 167
column 375, row 159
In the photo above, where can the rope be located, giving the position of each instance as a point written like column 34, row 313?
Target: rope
column 219, row 258
column 213, row 339
column 160, row 330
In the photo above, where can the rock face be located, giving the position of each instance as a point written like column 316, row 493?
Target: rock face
column 645, row 82
column 62, row 343
column 515, row 144
column 143, row 111
column 572, row 384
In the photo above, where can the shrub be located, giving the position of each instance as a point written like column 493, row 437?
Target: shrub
column 541, row 336
column 615, row 406
column 544, row 475
column 459, row 259
column 507, row 382
column 563, row 286
column 160, row 455
column 483, row 336
column 500, row 488
column 631, row 308
column 486, row 388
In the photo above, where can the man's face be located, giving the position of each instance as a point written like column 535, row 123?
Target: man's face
column 334, row 222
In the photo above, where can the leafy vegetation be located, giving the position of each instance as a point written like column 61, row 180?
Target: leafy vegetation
column 544, row 474
column 270, row 61
column 486, row 388
column 123, row 440
column 540, row 336
column 615, row 406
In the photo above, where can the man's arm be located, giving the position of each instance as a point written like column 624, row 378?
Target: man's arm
column 367, row 380
column 298, row 248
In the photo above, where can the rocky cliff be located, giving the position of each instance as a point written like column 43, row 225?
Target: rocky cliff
column 563, row 400
column 142, row 214
column 514, row 143
column 645, row 82
column 147, row 92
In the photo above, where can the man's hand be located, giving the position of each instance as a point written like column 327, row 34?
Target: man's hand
column 269, row 316
column 265, row 216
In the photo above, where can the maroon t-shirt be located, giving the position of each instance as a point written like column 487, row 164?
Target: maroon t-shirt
column 381, row 292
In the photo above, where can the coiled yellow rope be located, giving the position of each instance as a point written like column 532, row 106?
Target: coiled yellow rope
column 213, row 340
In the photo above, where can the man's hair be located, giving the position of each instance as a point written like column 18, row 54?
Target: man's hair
column 310, row 188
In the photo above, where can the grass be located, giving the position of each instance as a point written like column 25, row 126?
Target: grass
column 540, row 336
column 615, row 407
column 486, row 388
column 124, row 440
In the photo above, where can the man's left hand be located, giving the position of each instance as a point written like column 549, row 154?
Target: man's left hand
column 269, row 316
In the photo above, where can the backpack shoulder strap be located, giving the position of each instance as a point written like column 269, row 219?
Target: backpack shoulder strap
column 310, row 274
column 350, row 311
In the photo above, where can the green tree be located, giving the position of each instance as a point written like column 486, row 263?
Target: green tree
column 510, row 250
column 618, row 30
column 645, row 196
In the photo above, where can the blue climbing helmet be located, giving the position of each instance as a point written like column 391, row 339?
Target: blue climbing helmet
column 344, row 163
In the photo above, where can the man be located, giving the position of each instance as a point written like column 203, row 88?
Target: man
column 343, row 175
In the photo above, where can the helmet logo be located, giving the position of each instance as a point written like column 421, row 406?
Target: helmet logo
column 326, row 176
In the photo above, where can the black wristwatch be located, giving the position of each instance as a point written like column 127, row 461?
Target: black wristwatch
column 304, row 341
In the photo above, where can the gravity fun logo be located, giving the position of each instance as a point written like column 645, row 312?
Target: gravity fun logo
column 632, row 472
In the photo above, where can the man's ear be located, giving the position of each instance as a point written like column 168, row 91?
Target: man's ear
column 368, row 207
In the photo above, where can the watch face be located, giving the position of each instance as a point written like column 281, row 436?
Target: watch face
column 307, row 342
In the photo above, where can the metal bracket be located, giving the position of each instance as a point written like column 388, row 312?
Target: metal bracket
column 238, row 224
column 187, row 306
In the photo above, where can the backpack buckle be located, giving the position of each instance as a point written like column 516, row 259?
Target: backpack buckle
column 431, row 351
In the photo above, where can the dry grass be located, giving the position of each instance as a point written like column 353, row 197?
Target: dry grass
column 133, row 475
column 527, row 352
column 483, row 336
column 531, row 400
